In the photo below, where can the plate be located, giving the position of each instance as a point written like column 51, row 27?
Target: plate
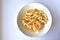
column 39, row 7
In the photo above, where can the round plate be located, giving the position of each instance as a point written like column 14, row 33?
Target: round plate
column 39, row 7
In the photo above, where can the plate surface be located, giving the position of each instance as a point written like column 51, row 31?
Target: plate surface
column 39, row 7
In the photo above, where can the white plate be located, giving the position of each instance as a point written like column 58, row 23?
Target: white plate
column 39, row 7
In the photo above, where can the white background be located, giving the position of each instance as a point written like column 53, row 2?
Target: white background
column 8, row 14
